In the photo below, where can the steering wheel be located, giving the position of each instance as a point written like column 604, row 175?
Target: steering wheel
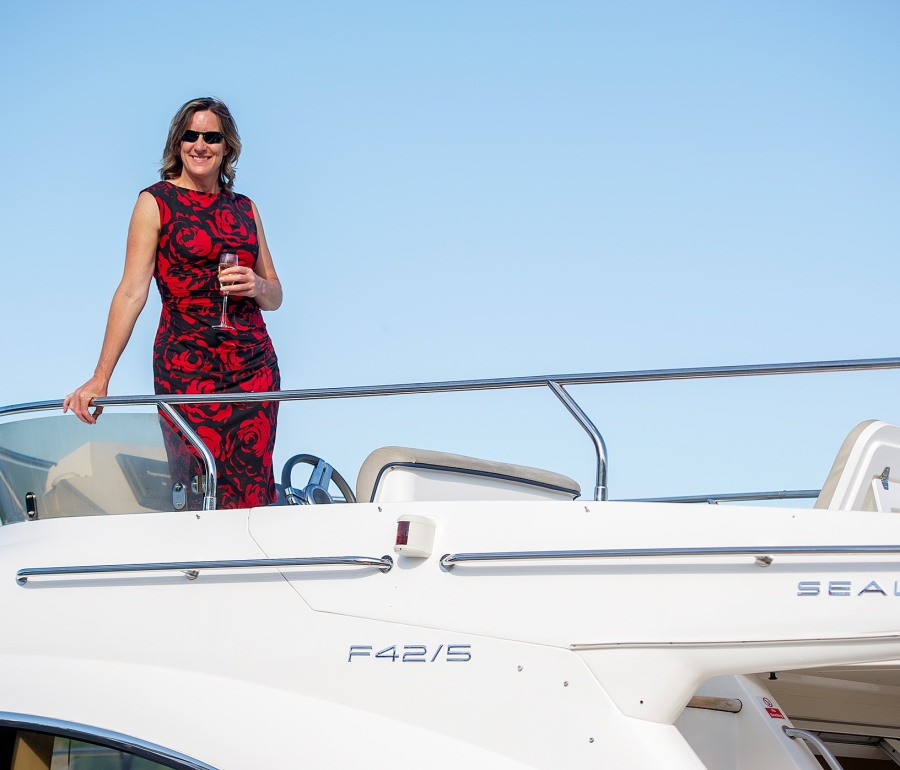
column 316, row 490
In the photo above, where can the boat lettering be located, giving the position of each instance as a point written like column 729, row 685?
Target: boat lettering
column 843, row 588
column 413, row 653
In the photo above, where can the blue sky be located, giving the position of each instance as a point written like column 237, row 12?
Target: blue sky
column 478, row 189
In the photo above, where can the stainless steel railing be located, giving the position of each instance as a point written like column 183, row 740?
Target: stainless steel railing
column 554, row 382
column 763, row 555
column 191, row 569
column 209, row 462
column 813, row 740
column 601, row 489
column 730, row 497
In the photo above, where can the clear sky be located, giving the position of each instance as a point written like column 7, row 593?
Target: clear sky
column 479, row 189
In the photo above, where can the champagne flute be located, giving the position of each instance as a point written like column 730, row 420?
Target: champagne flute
column 225, row 261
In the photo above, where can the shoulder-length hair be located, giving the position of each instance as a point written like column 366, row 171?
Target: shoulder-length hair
column 172, row 166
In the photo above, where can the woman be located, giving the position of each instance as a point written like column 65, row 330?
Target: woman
column 178, row 229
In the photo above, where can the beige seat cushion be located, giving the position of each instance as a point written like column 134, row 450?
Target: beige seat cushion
column 386, row 457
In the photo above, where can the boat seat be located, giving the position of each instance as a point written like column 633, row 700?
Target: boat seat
column 866, row 473
column 401, row 474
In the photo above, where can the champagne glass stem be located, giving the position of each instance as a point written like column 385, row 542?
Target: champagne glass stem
column 224, row 321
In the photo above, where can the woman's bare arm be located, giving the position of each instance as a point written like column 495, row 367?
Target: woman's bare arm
column 260, row 283
column 127, row 303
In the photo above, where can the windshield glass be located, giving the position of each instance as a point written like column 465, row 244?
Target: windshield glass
column 120, row 465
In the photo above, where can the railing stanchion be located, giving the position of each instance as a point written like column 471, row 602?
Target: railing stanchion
column 209, row 462
column 814, row 740
column 601, row 489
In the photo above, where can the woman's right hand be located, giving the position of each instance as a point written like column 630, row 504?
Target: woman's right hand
column 81, row 399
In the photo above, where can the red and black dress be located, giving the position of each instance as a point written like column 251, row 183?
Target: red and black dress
column 190, row 356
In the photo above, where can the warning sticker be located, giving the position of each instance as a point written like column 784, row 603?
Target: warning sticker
column 771, row 709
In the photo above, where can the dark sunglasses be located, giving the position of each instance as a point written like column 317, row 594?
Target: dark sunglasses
column 210, row 137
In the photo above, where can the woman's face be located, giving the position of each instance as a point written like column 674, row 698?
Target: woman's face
column 202, row 160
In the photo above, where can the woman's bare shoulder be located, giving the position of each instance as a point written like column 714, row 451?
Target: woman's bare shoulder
column 146, row 212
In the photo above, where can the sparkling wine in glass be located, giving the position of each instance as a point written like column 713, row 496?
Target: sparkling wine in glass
column 225, row 261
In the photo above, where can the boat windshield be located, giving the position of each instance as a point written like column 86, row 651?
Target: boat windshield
column 126, row 463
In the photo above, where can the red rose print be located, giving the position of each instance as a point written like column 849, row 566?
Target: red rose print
column 165, row 213
column 211, row 438
column 189, row 361
column 232, row 357
column 254, row 495
column 225, row 221
column 254, row 434
column 195, row 240
column 192, row 357
column 200, row 385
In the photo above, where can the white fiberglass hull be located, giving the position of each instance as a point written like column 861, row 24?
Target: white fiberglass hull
column 545, row 664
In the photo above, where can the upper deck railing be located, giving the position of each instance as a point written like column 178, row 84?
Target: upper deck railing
column 555, row 382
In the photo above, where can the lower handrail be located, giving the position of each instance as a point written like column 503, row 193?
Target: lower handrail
column 830, row 759
column 762, row 554
column 730, row 497
column 192, row 568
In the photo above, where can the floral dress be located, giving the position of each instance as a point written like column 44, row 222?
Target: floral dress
column 190, row 356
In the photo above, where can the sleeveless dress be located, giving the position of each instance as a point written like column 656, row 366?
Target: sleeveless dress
column 190, row 356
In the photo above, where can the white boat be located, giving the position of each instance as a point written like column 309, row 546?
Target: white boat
column 462, row 613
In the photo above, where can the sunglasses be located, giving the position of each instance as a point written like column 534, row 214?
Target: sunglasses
column 210, row 137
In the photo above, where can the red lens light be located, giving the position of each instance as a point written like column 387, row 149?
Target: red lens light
column 402, row 532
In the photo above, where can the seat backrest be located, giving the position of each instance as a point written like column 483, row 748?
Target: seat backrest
column 866, row 473
column 401, row 474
